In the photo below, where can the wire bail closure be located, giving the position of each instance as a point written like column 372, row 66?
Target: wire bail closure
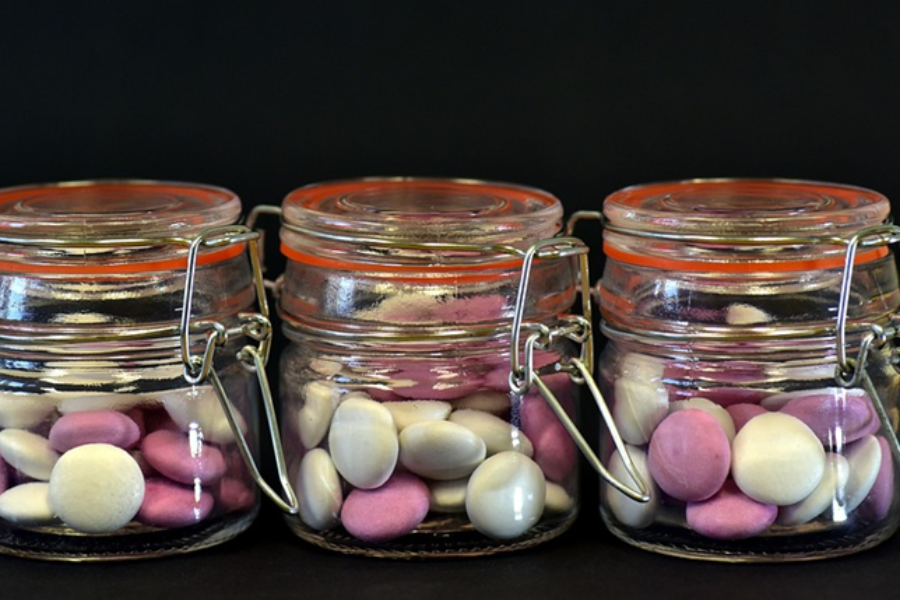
column 257, row 327
column 578, row 329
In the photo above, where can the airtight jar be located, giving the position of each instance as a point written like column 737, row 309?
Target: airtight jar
column 751, row 367
column 124, row 307
column 403, row 311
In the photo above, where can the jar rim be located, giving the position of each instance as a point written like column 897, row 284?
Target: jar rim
column 114, row 208
column 746, row 207
column 455, row 211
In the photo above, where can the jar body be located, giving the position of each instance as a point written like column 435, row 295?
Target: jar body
column 752, row 452
column 401, row 434
column 108, row 450
column 746, row 369
column 421, row 450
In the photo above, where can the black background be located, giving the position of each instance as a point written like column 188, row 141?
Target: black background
column 579, row 98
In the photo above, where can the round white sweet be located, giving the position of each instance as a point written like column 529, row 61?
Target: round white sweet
column 505, row 496
column 440, row 450
column 320, row 495
column 24, row 411
column 631, row 512
column 448, row 496
column 406, row 413
column 498, row 435
column 640, row 405
column 96, row 488
column 28, row 452
column 27, row 504
column 837, row 470
column 363, row 442
column 320, row 399
column 199, row 408
column 864, row 457
column 777, row 459
column 557, row 500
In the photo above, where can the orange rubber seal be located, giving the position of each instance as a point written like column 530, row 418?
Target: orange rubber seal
column 461, row 273
column 787, row 266
column 171, row 264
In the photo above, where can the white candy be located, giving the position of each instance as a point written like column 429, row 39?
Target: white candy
column 448, row 496
column 557, row 499
column 199, row 408
column 492, row 402
column 96, row 488
column 837, row 470
column 864, row 457
column 320, row 495
column 415, row 411
column 711, row 408
column 27, row 504
column 363, row 442
column 320, row 399
column 505, row 496
column 28, row 452
column 777, row 459
column 640, row 367
column 631, row 512
column 24, row 411
column 639, row 408
column 440, row 450
column 498, row 435
column 746, row 314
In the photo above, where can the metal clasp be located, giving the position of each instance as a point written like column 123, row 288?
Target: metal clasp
column 578, row 329
column 257, row 327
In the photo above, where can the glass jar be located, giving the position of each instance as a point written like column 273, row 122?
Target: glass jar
column 751, row 367
column 128, row 309
column 406, row 311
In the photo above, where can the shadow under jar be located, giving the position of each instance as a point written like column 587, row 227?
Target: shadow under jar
column 110, row 448
column 401, row 434
column 751, row 372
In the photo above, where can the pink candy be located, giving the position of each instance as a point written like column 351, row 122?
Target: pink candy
column 877, row 504
column 168, row 504
column 690, row 455
column 388, row 512
column 741, row 413
column 94, row 427
column 730, row 515
column 835, row 415
column 181, row 459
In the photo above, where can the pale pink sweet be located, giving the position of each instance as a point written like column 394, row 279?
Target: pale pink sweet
column 878, row 502
column 182, row 458
column 741, row 413
column 728, row 396
column 730, row 515
column 689, row 456
column 234, row 494
column 94, row 427
column 432, row 381
column 554, row 452
column 169, row 504
column 388, row 512
column 835, row 415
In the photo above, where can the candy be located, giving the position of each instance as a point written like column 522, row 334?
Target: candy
column 407, row 412
column 320, row 399
column 489, row 401
column 639, row 407
column 554, row 452
column 101, row 427
column 557, row 500
column 319, row 490
column 689, row 455
column 27, row 504
column 712, row 409
column 168, row 504
column 741, row 413
column 183, row 458
column 28, row 452
column 631, row 512
column 440, row 450
column 96, row 488
column 505, row 495
column 498, row 435
column 199, row 409
column 877, row 504
column 448, row 496
column 730, row 515
column 777, row 459
column 24, row 411
column 837, row 416
column 837, row 471
column 745, row 314
column 388, row 512
column 363, row 442
column 864, row 457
